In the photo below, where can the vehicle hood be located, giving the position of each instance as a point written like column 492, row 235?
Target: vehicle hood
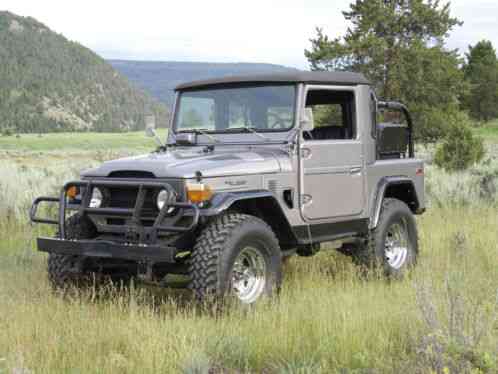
column 184, row 163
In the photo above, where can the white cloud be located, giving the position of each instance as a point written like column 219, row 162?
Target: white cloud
column 480, row 22
column 219, row 30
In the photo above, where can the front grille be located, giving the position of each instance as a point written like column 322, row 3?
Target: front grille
column 126, row 198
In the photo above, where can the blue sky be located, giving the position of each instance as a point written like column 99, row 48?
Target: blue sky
column 220, row 30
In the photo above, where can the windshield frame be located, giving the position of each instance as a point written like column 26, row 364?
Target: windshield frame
column 176, row 109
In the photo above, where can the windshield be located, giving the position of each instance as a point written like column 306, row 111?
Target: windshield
column 218, row 110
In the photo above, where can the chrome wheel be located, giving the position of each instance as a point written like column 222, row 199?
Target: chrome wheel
column 249, row 275
column 396, row 245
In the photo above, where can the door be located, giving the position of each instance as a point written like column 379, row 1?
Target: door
column 332, row 168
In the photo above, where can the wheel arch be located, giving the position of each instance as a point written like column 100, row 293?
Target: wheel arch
column 401, row 188
column 261, row 204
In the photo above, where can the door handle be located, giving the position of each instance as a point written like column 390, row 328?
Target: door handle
column 354, row 171
column 306, row 199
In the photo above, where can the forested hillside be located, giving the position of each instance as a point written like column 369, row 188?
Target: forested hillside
column 49, row 83
column 161, row 77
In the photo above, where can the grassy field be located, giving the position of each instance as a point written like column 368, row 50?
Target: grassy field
column 489, row 131
column 78, row 142
column 443, row 318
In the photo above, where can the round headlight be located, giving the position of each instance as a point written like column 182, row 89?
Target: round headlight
column 97, row 198
column 164, row 197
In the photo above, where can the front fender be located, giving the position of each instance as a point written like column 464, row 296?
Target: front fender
column 224, row 200
column 262, row 204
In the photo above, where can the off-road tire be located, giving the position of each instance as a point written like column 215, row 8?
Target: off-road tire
column 372, row 253
column 68, row 271
column 217, row 248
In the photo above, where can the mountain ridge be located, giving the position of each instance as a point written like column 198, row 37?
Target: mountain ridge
column 161, row 77
column 50, row 83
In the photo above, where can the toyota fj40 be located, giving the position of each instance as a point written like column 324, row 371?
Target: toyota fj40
column 254, row 169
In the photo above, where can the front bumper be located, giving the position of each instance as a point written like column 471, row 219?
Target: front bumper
column 138, row 241
column 107, row 249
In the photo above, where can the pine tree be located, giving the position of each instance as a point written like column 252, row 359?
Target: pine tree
column 400, row 46
column 481, row 70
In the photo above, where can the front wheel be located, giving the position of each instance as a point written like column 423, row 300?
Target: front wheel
column 393, row 244
column 236, row 256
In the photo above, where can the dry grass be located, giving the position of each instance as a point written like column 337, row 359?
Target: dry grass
column 328, row 318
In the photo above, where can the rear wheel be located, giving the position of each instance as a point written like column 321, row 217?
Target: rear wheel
column 393, row 244
column 236, row 256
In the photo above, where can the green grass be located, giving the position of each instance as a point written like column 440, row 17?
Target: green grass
column 83, row 141
column 136, row 141
column 488, row 131
column 328, row 318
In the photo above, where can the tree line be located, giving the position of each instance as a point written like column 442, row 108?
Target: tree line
column 401, row 46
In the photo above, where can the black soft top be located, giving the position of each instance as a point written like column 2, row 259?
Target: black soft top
column 311, row 77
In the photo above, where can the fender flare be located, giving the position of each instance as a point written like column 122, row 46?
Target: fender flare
column 382, row 186
column 271, row 211
column 222, row 201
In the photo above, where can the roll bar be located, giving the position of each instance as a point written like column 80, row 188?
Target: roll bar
column 401, row 107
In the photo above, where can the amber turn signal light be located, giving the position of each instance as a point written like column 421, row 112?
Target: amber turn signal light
column 198, row 192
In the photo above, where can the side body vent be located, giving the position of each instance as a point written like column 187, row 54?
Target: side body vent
column 287, row 194
column 274, row 186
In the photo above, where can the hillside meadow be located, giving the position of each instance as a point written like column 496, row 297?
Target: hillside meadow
column 329, row 318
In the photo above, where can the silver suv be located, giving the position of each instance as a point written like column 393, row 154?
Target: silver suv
column 254, row 169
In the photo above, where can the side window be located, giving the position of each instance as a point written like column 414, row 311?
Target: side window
column 333, row 115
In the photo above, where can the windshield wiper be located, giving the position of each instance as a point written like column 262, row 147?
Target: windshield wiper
column 200, row 132
column 249, row 129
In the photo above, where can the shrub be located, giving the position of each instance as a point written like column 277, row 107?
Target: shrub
column 8, row 131
column 458, row 321
column 197, row 363
column 431, row 123
column 460, row 148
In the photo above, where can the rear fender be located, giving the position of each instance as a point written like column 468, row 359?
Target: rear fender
column 401, row 188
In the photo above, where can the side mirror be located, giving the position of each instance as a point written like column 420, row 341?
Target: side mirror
column 307, row 123
column 150, row 126
column 186, row 138
column 150, row 130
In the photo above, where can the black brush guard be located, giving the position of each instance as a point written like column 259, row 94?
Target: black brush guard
column 146, row 249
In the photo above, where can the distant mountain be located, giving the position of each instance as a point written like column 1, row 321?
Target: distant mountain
column 48, row 83
column 160, row 78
